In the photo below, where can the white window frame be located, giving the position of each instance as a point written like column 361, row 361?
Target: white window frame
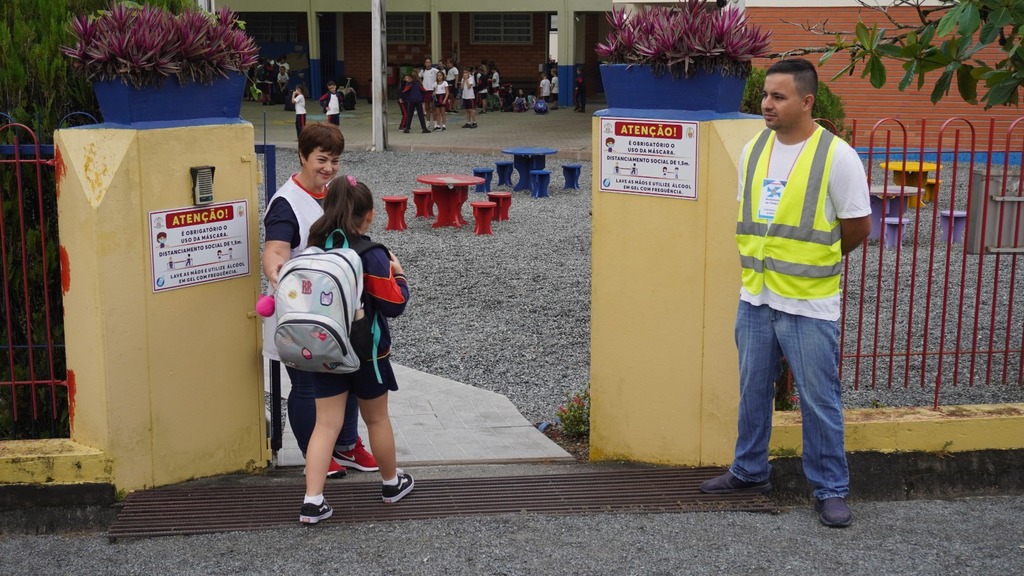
column 406, row 27
column 501, row 28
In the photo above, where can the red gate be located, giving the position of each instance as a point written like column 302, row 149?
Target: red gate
column 33, row 382
column 931, row 301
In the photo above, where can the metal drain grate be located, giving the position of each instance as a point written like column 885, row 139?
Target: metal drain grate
column 209, row 509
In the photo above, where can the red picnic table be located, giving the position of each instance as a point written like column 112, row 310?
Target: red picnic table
column 449, row 192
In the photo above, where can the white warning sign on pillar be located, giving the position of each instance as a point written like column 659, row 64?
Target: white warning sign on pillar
column 649, row 157
column 197, row 245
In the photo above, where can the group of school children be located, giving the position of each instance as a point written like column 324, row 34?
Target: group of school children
column 432, row 92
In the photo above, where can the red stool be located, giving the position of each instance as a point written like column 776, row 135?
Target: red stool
column 396, row 205
column 504, row 201
column 424, row 203
column 483, row 213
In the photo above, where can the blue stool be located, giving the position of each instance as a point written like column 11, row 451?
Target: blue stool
column 486, row 174
column 571, row 173
column 539, row 180
column 504, row 172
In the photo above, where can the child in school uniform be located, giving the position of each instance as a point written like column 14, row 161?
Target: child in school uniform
column 348, row 208
column 519, row 104
column 441, row 90
column 299, row 100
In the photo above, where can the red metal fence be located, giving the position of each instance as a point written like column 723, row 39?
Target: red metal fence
column 33, row 382
column 932, row 303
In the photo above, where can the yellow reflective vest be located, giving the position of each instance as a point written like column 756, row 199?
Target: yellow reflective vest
column 798, row 253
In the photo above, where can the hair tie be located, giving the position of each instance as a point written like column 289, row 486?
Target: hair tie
column 351, row 179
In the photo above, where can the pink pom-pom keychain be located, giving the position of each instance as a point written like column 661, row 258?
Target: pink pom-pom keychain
column 265, row 306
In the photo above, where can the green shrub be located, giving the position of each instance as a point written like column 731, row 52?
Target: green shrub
column 827, row 105
column 575, row 415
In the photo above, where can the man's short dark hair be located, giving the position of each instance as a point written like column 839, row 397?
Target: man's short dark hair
column 804, row 74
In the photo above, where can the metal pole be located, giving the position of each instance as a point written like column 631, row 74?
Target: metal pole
column 378, row 71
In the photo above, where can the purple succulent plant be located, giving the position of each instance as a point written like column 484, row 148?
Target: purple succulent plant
column 684, row 38
column 144, row 45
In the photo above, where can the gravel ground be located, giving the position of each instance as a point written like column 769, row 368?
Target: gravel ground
column 970, row 536
column 510, row 312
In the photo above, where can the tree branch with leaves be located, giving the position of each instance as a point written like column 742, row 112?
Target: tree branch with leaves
column 947, row 37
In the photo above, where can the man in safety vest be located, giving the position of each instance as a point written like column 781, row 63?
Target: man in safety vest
column 803, row 204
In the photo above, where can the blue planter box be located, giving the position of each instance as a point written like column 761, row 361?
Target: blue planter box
column 633, row 86
column 171, row 103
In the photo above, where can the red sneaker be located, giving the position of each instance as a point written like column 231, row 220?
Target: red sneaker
column 334, row 470
column 357, row 458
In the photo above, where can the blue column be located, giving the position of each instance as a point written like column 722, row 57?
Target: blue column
column 316, row 84
column 566, row 82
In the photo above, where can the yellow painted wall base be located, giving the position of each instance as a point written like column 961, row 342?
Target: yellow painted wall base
column 166, row 385
column 950, row 429
column 59, row 461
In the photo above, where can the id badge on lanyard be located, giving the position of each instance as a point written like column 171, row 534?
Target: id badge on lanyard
column 771, row 195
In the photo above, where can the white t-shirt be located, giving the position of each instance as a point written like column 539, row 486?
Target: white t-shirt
column 452, row 75
column 545, row 88
column 307, row 210
column 847, row 198
column 554, row 84
column 495, row 80
column 429, row 78
column 300, row 104
column 467, row 88
column 332, row 105
column 441, row 88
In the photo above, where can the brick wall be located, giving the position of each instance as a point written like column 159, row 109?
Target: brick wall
column 863, row 102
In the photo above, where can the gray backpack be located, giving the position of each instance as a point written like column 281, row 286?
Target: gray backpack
column 320, row 322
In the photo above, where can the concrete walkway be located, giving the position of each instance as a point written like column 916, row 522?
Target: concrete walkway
column 441, row 421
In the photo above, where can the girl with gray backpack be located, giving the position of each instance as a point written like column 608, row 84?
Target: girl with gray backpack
column 348, row 214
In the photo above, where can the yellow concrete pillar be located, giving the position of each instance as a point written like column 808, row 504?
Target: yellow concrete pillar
column 665, row 286
column 165, row 382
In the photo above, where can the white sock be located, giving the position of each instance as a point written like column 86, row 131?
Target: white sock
column 315, row 500
column 392, row 482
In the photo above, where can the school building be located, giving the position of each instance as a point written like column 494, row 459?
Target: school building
column 331, row 40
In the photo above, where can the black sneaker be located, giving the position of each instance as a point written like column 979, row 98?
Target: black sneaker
column 437, row 128
column 729, row 484
column 834, row 513
column 426, row 130
column 311, row 513
column 392, row 494
column 473, row 125
column 467, row 125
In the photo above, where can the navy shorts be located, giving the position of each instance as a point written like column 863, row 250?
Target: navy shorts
column 363, row 382
column 468, row 103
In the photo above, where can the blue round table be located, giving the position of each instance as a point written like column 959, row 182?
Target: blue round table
column 526, row 158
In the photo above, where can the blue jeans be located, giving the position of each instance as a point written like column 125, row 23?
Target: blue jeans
column 811, row 347
column 302, row 413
